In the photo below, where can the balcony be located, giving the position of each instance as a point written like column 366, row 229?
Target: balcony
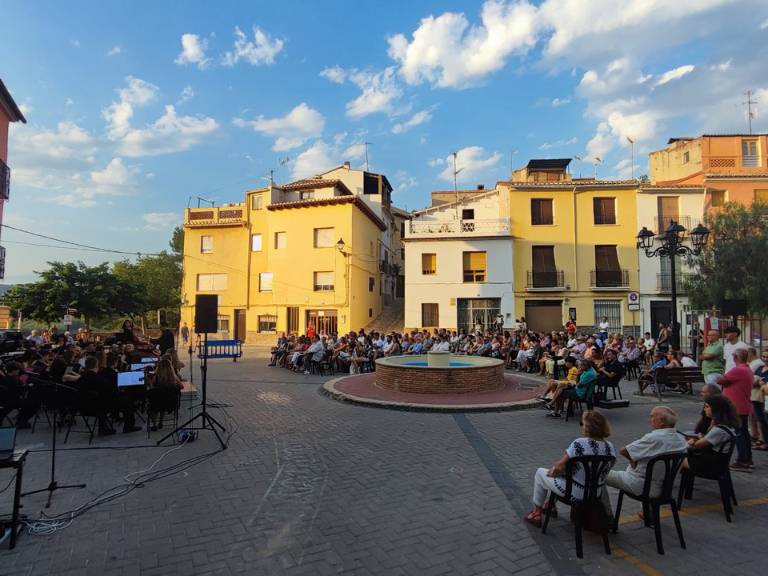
column 750, row 160
column 2, row 262
column 609, row 279
column 215, row 216
column 434, row 228
column 545, row 280
column 664, row 282
column 5, row 181
column 660, row 224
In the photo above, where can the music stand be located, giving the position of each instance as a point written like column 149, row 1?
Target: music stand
column 53, row 485
column 208, row 422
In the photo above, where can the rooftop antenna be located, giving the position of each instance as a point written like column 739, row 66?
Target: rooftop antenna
column 271, row 177
column 199, row 199
column 366, row 144
column 632, row 144
column 750, row 113
column 455, row 187
column 580, row 159
column 512, row 162
column 598, row 160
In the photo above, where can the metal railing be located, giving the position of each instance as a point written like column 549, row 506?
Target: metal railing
column 661, row 223
column 483, row 227
column 609, row 278
column 215, row 216
column 5, row 180
column 664, row 282
column 750, row 160
column 545, row 279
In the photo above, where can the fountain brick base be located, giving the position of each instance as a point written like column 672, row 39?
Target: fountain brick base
column 482, row 376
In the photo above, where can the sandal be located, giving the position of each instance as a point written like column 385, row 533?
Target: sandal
column 533, row 517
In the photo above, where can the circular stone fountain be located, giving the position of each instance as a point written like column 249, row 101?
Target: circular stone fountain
column 439, row 373
column 437, row 381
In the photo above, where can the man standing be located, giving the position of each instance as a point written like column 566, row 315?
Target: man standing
column 712, row 360
column 166, row 340
column 602, row 335
column 737, row 387
column 184, row 335
column 662, row 439
column 732, row 343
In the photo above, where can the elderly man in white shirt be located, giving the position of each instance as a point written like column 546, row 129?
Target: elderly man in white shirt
column 732, row 343
column 663, row 439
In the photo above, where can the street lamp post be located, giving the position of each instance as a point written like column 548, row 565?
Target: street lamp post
column 672, row 245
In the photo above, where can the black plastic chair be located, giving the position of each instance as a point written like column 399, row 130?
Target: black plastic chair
column 671, row 464
column 714, row 465
column 574, row 403
column 595, row 469
column 88, row 407
column 161, row 401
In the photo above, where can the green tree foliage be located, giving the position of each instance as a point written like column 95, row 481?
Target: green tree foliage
column 177, row 242
column 731, row 267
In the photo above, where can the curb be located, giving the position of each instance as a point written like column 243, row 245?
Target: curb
column 329, row 389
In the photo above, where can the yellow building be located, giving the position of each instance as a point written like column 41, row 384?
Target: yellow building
column 312, row 252
column 574, row 247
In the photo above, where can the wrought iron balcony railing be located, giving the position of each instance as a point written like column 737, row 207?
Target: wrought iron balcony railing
column 548, row 279
column 664, row 282
column 609, row 278
column 5, row 181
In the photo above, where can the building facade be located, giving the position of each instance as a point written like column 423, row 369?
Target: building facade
column 458, row 264
column 303, row 254
column 9, row 112
column 575, row 250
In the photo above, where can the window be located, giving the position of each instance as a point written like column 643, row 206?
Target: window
column 718, row 198
column 468, row 214
column 323, row 281
column 761, row 196
column 541, row 211
column 324, row 238
column 267, row 323
column 257, row 202
column 474, row 266
column 668, row 209
column 370, row 249
column 610, row 309
column 206, row 244
column 749, row 155
column 265, row 282
column 686, row 157
column 430, row 316
column 256, row 242
column 211, row 282
column 222, row 323
column 604, row 210
column 281, row 240
column 402, row 229
column 607, row 268
column 428, row 263
column 306, row 195
column 370, row 312
column 371, row 283
column 402, row 254
column 544, row 273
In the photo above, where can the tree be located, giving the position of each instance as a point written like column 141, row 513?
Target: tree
column 177, row 241
column 91, row 290
column 731, row 265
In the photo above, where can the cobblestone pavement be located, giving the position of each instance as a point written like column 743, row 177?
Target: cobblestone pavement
column 314, row 486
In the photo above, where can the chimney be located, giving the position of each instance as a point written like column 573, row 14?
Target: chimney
column 481, row 186
column 346, row 164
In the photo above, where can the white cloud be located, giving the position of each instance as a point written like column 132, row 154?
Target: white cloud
column 472, row 162
column 335, row 74
column 675, row 74
column 558, row 143
column 447, row 51
column 379, row 91
column 115, row 179
column 764, row 25
column 69, row 102
column 118, row 114
column 160, row 220
column 193, row 49
column 418, row 118
column 25, row 108
column 354, row 152
column 115, row 50
column 435, row 162
column 169, row 133
column 403, row 182
column 186, row 94
column 314, row 160
column 291, row 130
column 557, row 102
column 722, row 66
column 262, row 50
column 66, row 146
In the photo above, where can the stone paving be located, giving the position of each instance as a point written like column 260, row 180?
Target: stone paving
column 309, row 485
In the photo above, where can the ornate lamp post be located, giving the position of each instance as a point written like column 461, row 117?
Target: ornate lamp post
column 672, row 245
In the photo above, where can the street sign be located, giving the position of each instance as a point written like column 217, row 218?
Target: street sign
column 633, row 301
column 67, row 320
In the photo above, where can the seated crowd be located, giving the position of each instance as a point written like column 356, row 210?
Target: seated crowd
column 79, row 375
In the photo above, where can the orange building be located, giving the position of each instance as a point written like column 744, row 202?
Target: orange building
column 9, row 112
column 733, row 167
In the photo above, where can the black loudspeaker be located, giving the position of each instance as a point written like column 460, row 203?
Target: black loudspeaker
column 733, row 307
column 206, row 313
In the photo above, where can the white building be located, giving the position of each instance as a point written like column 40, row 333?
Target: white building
column 458, row 264
column 657, row 206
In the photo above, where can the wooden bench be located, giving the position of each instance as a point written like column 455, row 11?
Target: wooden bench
column 676, row 379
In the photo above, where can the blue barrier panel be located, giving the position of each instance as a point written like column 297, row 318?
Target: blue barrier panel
column 221, row 349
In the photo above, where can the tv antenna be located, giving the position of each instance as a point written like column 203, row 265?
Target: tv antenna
column 456, row 171
column 750, row 113
column 597, row 160
column 366, row 144
column 580, row 159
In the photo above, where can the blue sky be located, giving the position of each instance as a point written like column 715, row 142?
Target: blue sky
column 133, row 108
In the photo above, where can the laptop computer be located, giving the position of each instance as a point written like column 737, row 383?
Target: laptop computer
column 7, row 441
column 125, row 379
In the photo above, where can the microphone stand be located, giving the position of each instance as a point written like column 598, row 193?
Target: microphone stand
column 53, row 485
